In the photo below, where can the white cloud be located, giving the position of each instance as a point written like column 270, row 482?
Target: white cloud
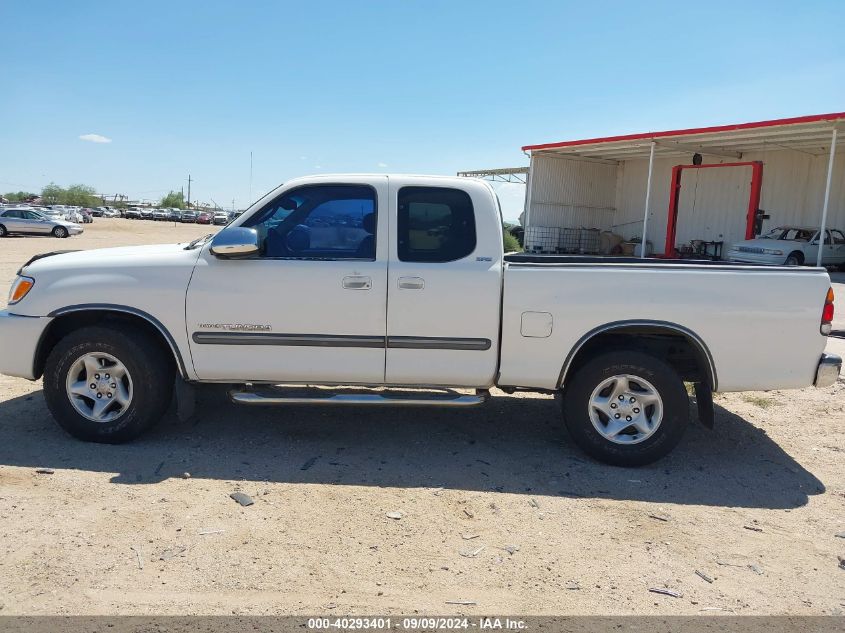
column 95, row 138
column 382, row 164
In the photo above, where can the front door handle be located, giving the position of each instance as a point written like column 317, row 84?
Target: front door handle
column 412, row 283
column 357, row 282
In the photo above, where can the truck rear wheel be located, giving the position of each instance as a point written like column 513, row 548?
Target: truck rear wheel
column 105, row 385
column 626, row 408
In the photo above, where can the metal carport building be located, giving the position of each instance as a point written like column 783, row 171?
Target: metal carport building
column 639, row 183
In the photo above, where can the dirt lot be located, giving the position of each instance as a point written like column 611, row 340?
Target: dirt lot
column 498, row 507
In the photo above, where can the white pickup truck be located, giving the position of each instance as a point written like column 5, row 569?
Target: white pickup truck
column 395, row 290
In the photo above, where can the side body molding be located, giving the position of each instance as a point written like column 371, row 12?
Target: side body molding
column 688, row 334
column 340, row 340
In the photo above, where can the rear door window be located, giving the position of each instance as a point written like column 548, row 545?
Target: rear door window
column 435, row 224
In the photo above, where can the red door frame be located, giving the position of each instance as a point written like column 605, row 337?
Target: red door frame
column 675, row 195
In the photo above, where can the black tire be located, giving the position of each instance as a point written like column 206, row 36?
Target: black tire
column 663, row 378
column 60, row 232
column 151, row 373
column 3, row 231
column 794, row 259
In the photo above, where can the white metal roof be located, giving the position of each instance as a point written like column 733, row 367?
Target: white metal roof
column 810, row 134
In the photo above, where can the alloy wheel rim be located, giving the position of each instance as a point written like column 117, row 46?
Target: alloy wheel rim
column 99, row 387
column 625, row 409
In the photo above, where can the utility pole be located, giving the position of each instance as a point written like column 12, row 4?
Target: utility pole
column 189, row 190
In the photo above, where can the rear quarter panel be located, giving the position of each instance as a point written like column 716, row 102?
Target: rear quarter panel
column 761, row 325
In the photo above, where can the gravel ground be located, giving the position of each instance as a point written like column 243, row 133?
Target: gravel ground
column 497, row 507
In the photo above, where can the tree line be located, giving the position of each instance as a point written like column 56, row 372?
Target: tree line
column 84, row 196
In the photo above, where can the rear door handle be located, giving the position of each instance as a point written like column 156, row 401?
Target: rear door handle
column 356, row 282
column 412, row 283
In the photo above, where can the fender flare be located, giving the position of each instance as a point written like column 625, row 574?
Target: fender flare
column 696, row 341
column 111, row 307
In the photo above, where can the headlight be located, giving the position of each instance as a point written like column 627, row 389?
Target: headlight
column 20, row 289
column 771, row 251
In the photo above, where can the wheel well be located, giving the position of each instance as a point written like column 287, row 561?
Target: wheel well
column 64, row 324
column 798, row 254
column 682, row 350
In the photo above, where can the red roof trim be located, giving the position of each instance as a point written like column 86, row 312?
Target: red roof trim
column 813, row 118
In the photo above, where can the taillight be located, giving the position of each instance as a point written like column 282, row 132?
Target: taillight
column 827, row 313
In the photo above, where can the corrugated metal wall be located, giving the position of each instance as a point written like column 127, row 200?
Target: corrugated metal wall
column 713, row 205
column 572, row 193
column 577, row 193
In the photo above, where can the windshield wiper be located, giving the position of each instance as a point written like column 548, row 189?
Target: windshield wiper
column 198, row 242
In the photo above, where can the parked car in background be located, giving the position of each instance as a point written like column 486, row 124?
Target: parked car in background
column 74, row 215
column 54, row 213
column 204, row 218
column 221, row 218
column 791, row 245
column 161, row 215
column 87, row 216
column 146, row 214
column 98, row 212
column 175, row 215
column 189, row 216
column 26, row 221
column 111, row 213
column 133, row 214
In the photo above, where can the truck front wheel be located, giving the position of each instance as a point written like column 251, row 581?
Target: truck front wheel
column 106, row 385
column 626, row 408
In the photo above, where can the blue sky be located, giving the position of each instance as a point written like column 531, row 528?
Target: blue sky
column 423, row 87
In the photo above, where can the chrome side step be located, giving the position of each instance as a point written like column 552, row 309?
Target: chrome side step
column 275, row 397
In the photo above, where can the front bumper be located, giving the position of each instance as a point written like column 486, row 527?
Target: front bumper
column 74, row 230
column 756, row 258
column 19, row 338
column 827, row 372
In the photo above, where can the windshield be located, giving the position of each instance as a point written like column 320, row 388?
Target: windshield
column 783, row 233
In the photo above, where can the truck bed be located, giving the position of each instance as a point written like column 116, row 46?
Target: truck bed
column 759, row 324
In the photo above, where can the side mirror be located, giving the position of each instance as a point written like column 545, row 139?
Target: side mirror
column 236, row 241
